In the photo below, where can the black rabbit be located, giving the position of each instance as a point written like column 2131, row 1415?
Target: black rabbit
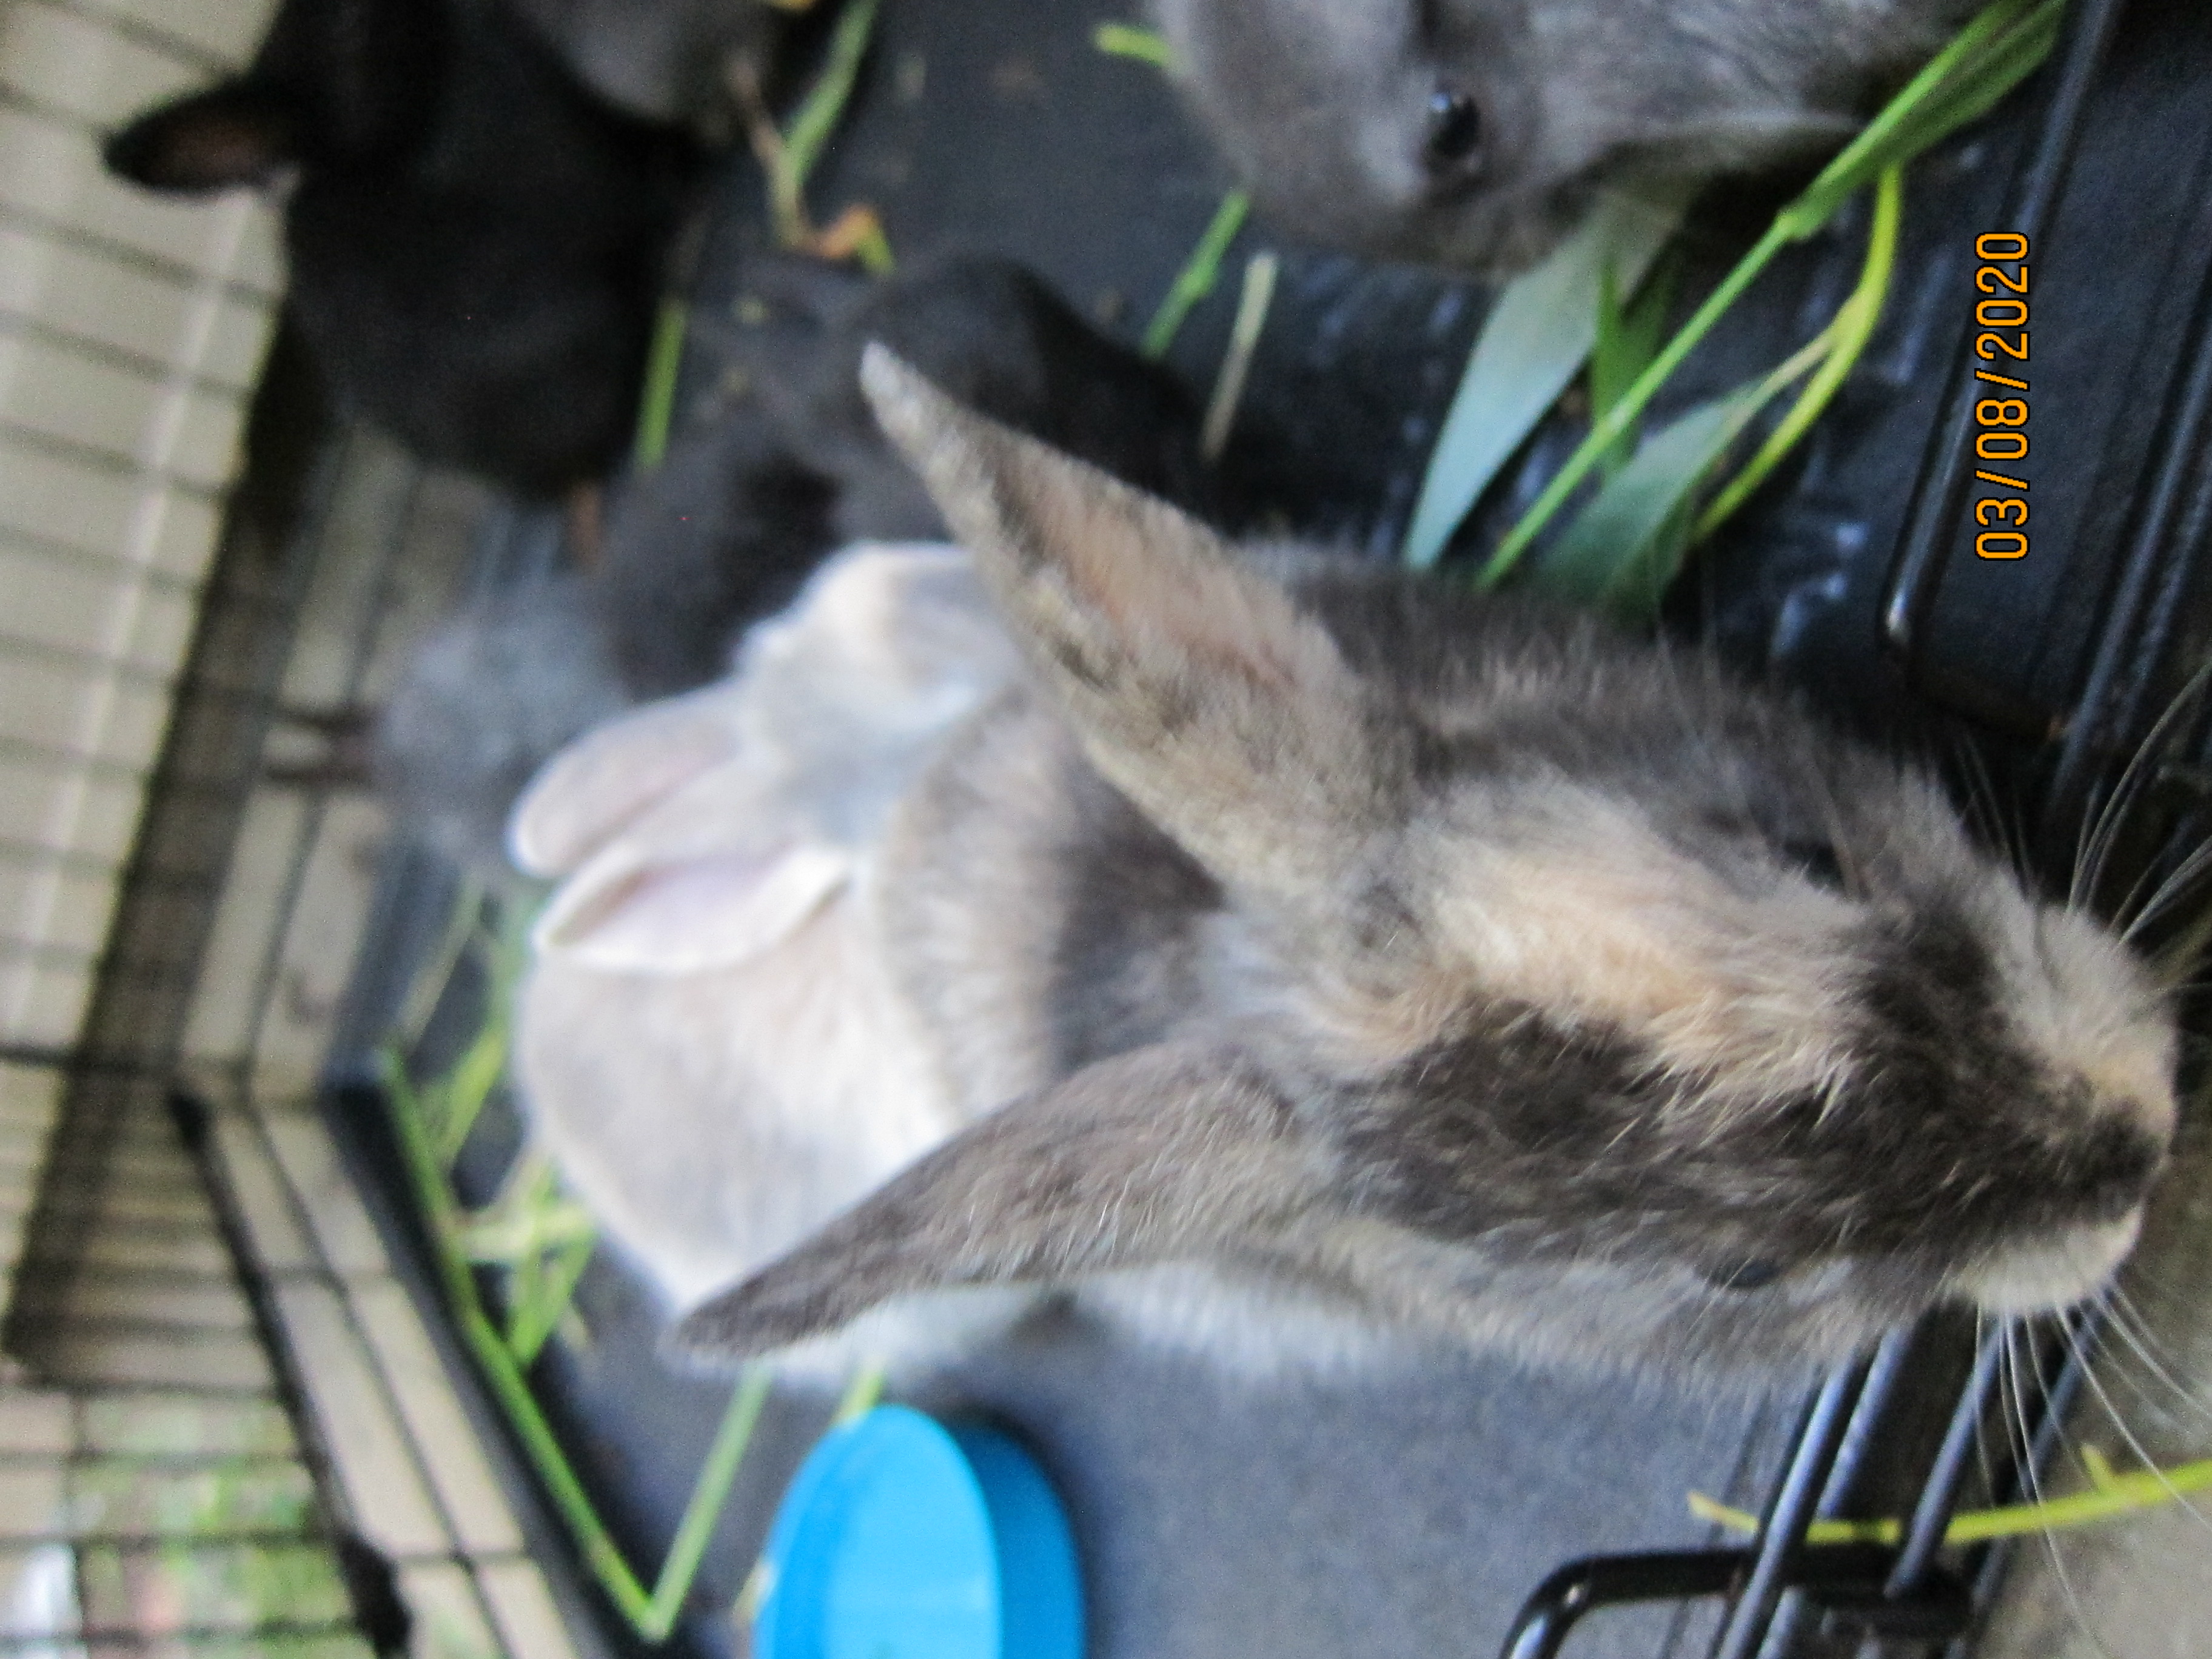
column 667, row 59
column 476, row 238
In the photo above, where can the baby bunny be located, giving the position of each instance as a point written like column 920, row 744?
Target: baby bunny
column 706, row 1043
column 995, row 336
column 1312, row 950
column 723, row 533
column 744, row 507
column 475, row 239
column 1474, row 133
column 667, row 60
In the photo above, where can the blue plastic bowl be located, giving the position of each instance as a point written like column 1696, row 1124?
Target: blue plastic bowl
column 901, row 1538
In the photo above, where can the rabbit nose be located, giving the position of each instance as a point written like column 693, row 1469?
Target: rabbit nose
column 2056, row 1273
column 2116, row 1164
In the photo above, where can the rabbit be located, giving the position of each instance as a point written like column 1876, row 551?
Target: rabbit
column 475, row 240
column 1473, row 133
column 666, row 60
column 743, row 508
column 998, row 338
column 1329, row 964
column 706, row 1042
column 724, row 532
column 481, row 703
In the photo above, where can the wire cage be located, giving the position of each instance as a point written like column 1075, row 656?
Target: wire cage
column 258, row 1403
column 226, row 1430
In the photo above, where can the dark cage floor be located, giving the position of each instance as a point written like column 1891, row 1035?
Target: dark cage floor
column 1406, row 1514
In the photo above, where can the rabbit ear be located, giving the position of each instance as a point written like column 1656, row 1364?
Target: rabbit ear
column 678, row 915
column 1166, row 1154
column 608, row 778
column 1197, row 685
column 240, row 132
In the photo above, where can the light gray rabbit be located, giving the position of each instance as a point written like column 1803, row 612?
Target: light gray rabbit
column 1474, row 133
column 706, row 1043
column 1326, row 960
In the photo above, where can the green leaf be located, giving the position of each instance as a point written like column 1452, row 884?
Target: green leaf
column 1627, row 340
column 1624, row 547
column 459, row 1098
column 540, row 1312
column 1534, row 341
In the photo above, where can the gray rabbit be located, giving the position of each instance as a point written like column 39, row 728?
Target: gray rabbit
column 1473, row 133
column 1325, row 961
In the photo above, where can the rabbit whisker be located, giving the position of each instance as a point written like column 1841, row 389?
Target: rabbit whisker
column 2012, row 1393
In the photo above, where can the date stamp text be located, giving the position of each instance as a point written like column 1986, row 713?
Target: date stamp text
column 2000, row 507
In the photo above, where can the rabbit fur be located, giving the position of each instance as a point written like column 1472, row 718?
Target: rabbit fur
column 743, row 507
column 708, row 1043
column 475, row 239
column 666, row 60
column 1473, row 133
column 1324, row 963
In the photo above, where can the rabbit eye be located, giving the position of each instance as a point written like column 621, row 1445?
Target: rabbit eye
column 1817, row 862
column 1455, row 126
column 1753, row 1274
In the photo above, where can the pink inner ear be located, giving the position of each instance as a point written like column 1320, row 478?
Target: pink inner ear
column 604, row 780
column 716, row 911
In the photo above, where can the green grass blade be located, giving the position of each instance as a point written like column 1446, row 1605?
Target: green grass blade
column 436, row 975
column 1608, row 427
column 705, row 1508
column 652, row 1615
column 436, row 1203
column 874, row 252
column 1259, row 292
column 1620, row 550
column 656, row 407
column 2009, row 60
column 535, row 1319
column 465, row 1089
column 1534, row 341
column 1853, row 327
column 1198, row 276
column 824, row 103
column 2112, row 1496
column 1981, row 62
column 1146, row 45
column 862, row 1390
